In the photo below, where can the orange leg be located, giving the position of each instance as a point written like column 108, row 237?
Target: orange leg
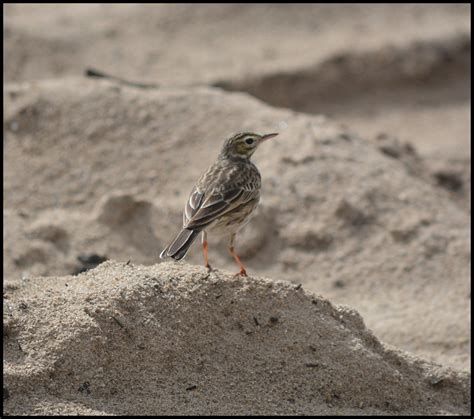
column 205, row 250
column 242, row 272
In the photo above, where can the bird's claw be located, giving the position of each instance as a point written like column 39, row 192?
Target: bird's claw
column 242, row 272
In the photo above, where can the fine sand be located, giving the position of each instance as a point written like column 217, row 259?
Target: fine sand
column 358, row 299
column 174, row 339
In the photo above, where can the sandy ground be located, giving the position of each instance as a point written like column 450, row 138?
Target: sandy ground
column 174, row 339
column 365, row 201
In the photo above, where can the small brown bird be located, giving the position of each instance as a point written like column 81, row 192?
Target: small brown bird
column 223, row 198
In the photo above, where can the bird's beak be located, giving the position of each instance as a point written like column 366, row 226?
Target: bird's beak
column 268, row 136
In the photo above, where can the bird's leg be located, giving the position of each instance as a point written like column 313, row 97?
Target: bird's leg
column 242, row 272
column 204, row 249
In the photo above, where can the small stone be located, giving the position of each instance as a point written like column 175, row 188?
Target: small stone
column 449, row 180
column 85, row 388
column 349, row 212
column 311, row 364
column 88, row 261
column 14, row 126
column 339, row 283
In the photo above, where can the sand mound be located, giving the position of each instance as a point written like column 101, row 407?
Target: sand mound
column 356, row 221
column 174, row 339
column 397, row 69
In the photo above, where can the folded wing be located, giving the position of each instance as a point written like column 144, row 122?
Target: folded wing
column 203, row 208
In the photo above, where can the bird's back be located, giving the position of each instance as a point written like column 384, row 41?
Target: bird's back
column 227, row 174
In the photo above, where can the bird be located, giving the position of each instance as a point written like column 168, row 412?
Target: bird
column 223, row 199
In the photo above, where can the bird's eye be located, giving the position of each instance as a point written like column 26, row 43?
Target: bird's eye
column 249, row 141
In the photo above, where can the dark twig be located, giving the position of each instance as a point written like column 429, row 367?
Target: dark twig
column 92, row 72
column 118, row 322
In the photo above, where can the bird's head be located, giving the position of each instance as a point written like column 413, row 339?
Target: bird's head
column 243, row 144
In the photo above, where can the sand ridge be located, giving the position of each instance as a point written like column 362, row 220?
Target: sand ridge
column 175, row 339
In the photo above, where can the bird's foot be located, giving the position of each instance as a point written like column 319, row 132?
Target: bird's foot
column 209, row 267
column 242, row 272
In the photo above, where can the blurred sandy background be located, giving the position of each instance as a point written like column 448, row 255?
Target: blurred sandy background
column 366, row 196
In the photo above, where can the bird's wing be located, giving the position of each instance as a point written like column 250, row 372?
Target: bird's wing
column 192, row 205
column 203, row 207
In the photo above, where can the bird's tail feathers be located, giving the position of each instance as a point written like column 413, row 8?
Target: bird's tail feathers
column 181, row 244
